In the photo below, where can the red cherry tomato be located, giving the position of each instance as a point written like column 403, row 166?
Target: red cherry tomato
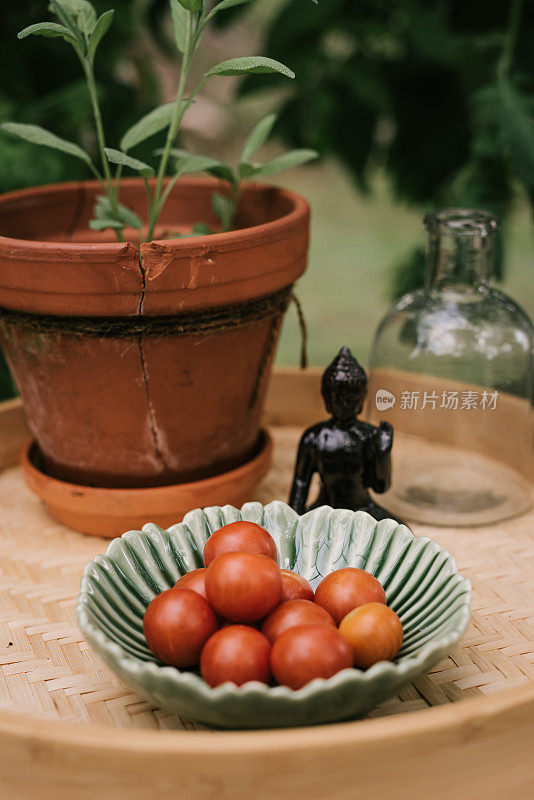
column 238, row 654
column 243, row 587
column 348, row 588
column 177, row 624
column 239, row 537
column 295, row 587
column 374, row 632
column 194, row 580
column 291, row 613
column 307, row 652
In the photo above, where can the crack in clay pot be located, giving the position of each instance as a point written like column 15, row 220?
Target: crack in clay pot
column 151, row 410
column 143, row 283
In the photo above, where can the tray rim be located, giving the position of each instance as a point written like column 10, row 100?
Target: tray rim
column 227, row 743
column 480, row 720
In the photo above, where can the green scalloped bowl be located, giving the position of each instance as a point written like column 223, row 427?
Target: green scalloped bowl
column 421, row 581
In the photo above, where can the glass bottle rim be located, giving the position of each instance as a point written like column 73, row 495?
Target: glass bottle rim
column 461, row 222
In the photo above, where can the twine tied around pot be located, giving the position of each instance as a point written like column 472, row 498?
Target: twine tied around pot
column 271, row 341
column 193, row 323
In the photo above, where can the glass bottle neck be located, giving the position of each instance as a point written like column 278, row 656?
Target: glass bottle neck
column 460, row 249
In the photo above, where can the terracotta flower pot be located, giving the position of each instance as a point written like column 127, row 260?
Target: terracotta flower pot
column 148, row 368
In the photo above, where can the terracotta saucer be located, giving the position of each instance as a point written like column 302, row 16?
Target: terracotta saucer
column 111, row 512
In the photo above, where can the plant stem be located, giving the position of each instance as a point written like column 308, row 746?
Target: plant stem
column 194, row 93
column 172, row 132
column 148, row 202
column 165, row 194
column 89, row 74
column 118, row 173
column 98, row 176
column 237, row 191
column 514, row 20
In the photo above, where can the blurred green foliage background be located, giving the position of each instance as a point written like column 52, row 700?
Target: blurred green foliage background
column 413, row 104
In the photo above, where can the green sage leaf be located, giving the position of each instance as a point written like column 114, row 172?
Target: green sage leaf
column 50, row 29
column 81, row 11
column 202, row 229
column 102, row 206
column 129, row 217
column 175, row 152
column 65, row 18
column 152, row 123
column 250, row 65
column 223, row 172
column 186, row 163
column 217, row 169
column 199, row 229
column 294, row 158
column 180, row 21
column 224, row 209
column 102, row 224
column 192, row 5
column 259, row 136
column 101, row 28
column 227, row 4
column 247, row 170
column 104, row 210
column 40, row 136
column 118, row 157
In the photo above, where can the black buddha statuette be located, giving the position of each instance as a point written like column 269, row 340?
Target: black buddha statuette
column 350, row 456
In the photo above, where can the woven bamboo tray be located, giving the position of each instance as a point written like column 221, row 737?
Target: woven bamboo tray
column 70, row 729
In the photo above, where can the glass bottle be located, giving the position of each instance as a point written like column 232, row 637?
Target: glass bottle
column 452, row 369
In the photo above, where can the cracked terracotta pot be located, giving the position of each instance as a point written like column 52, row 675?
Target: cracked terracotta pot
column 117, row 392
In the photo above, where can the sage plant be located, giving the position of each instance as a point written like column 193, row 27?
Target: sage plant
column 79, row 25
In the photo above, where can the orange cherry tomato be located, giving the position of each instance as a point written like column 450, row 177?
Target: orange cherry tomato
column 177, row 624
column 238, row 654
column 243, row 587
column 239, row 537
column 291, row 613
column 307, row 652
column 374, row 632
column 295, row 587
column 194, row 580
column 348, row 588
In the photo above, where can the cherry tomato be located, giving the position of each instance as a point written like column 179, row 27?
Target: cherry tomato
column 194, row 580
column 348, row 588
column 307, row 652
column 238, row 654
column 243, row 587
column 177, row 624
column 239, row 537
column 295, row 587
column 291, row 613
column 374, row 632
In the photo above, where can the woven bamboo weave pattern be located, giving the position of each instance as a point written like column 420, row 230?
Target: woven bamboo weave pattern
column 48, row 671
